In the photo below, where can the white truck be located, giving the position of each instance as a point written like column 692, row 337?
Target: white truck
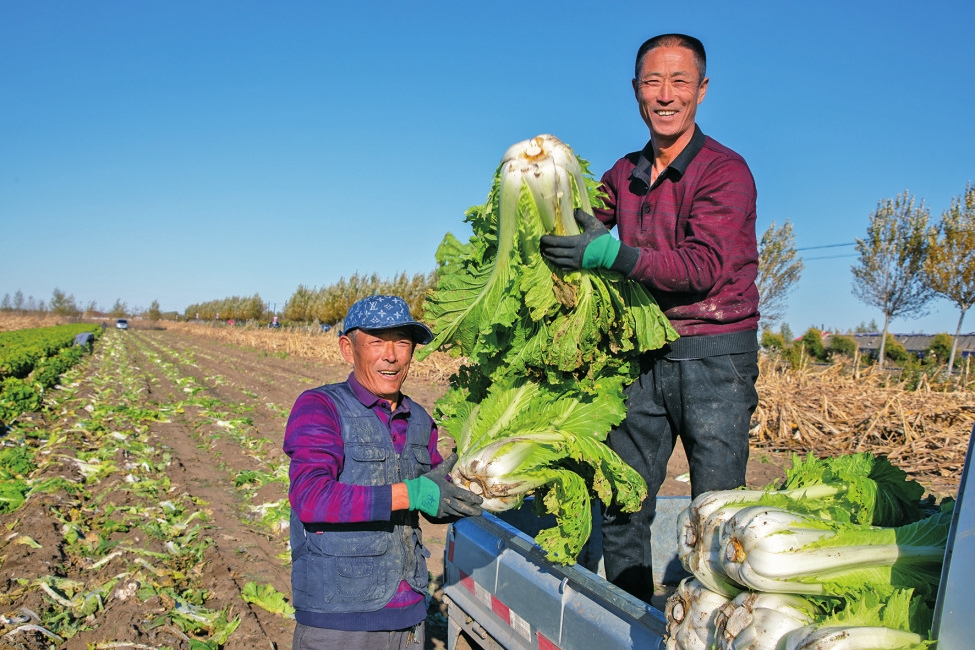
column 501, row 592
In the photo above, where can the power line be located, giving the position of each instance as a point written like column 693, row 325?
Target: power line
column 826, row 257
column 812, row 248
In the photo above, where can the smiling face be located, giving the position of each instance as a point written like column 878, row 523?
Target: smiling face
column 380, row 360
column 668, row 90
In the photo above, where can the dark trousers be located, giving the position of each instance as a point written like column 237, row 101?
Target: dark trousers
column 708, row 403
column 316, row 638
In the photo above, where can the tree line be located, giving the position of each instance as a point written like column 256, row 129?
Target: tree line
column 64, row 304
column 329, row 304
column 904, row 263
column 241, row 308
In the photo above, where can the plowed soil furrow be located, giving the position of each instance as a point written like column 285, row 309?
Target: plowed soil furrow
column 158, row 491
column 280, row 380
column 184, row 464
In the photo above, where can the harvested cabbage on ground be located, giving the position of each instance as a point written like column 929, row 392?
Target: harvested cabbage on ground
column 547, row 352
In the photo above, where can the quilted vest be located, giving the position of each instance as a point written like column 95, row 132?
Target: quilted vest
column 341, row 568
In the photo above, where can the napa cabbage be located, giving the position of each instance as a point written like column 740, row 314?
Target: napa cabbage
column 547, row 352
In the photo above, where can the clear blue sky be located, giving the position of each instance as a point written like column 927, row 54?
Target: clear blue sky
column 188, row 151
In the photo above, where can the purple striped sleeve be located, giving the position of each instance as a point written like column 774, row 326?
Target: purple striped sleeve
column 432, row 446
column 313, row 442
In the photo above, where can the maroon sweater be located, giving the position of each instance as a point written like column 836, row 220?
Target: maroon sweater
column 694, row 234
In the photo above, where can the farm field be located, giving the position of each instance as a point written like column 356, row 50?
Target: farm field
column 160, row 496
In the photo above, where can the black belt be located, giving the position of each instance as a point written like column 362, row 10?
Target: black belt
column 700, row 347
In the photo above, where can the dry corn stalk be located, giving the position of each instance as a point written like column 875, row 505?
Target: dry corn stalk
column 837, row 410
column 310, row 344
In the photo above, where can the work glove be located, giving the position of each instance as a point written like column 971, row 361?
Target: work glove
column 434, row 494
column 593, row 248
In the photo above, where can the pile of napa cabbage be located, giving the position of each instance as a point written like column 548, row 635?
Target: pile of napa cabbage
column 548, row 352
column 843, row 555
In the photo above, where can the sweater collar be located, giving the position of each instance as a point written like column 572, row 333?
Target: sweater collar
column 676, row 168
column 369, row 400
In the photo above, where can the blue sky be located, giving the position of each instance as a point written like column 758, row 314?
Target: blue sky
column 185, row 152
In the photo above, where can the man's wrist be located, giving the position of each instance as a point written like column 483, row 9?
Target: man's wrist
column 400, row 497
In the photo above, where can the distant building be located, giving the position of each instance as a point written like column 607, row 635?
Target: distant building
column 915, row 342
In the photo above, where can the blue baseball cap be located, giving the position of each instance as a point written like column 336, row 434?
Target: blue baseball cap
column 385, row 313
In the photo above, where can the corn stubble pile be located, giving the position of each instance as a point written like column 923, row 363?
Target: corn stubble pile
column 828, row 411
column 837, row 410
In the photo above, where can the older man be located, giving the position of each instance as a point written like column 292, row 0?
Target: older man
column 684, row 207
column 364, row 460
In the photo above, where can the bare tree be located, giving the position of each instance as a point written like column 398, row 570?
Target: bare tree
column 888, row 274
column 949, row 269
column 779, row 268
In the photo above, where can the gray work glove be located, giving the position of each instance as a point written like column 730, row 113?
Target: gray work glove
column 593, row 248
column 434, row 494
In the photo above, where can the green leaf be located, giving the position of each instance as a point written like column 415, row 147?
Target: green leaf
column 267, row 597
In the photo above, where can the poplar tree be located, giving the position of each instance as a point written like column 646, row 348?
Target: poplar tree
column 153, row 314
column 119, row 309
column 62, row 303
column 949, row 269
column 779, row 269
column 888, row 274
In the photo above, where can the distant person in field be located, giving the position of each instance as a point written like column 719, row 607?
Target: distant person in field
column 359, row 573
column 684, row 208
column 86, row 340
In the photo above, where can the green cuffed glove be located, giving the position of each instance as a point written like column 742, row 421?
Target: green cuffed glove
column 593, row 248
column 435, row 495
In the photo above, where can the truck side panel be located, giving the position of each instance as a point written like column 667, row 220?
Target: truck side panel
column 500, row 589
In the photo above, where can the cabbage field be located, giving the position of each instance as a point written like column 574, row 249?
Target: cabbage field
column 143, row 498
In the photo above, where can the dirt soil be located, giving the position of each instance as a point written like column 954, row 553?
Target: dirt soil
column 189, row 415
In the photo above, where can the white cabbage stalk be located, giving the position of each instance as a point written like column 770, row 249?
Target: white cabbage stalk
column 849, row 638
column 756, row 621
column 761, row 536
column 704, row 558
column 702, row 507
column 691, row 612
column 550, row 170
column 686, row 536
column 764, row 549
column 496, row 471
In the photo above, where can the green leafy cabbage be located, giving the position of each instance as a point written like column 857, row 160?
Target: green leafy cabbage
column 547, row 352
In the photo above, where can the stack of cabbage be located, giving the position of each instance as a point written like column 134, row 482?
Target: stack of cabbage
column 844, row 555
column 548, row 352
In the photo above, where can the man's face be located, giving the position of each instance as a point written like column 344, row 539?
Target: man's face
column 380, row 359
column 668, row 91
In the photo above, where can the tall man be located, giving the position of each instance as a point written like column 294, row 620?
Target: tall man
column 684, row 208
column 364, row 460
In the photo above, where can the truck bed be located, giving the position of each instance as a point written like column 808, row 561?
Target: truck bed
column 503, row 593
